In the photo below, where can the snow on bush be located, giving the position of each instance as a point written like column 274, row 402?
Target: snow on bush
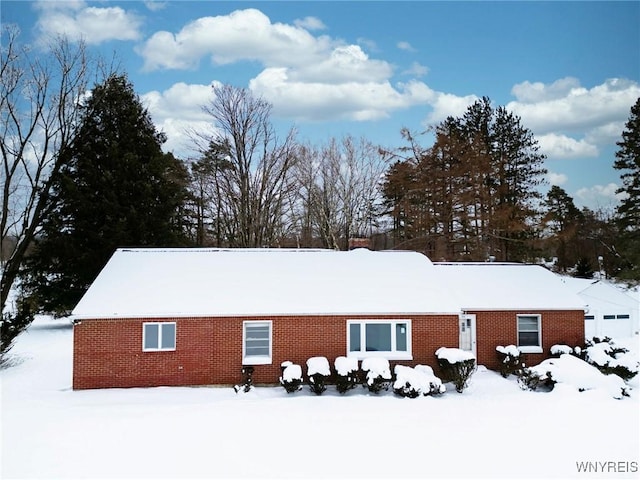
column 291, row 378
column 510, row 360
column 412, row 382
column 457, row 366
column 247, row 380
column 571, row 371
column 609, row 358
column 318, row 371
column 346, row 373
column 378, row 373
column 557, row 350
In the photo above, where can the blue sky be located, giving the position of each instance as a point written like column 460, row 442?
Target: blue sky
column 570, row 70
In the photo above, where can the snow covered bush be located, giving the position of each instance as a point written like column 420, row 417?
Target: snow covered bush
column 318, row 371
column 291, row 378
column 346, row 373
column 511, row 360
column 377, row 373
column 247, row 380
column 557, row 350
column 457, row 366
column 569, row 370
column 609, row 358
column 413, row 382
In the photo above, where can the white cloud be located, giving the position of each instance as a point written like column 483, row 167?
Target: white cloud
column 177, row 111
column 344, row 64
column 155, row 5
column 78, row 21
column 348, row 101
column 599, row 196
column 447, row 104
column 310, row 23
column 566, row 106
column 527, row 92
column 558, row 146
column 405, row 46
column 241, row 35
column 369, row 44
column 416, row 70
column 304, row 76
column 556, row 178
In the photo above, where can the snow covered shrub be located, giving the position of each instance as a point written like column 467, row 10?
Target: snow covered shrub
column 511, row 360
column 247, row 380
column 609, row 358
column 413, row 382
column 291, row 378
column 346, row 373
column 457, row 366
column 318, row 371
column 377, row 374
column 570, row 371
column 557, row 350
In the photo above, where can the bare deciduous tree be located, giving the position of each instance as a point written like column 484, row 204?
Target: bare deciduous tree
column 40, row 96
column 339, row 190
column 253, row 187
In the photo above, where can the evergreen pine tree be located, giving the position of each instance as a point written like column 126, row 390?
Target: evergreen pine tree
column 628, row 161
column 116, row 189
column 563, row 219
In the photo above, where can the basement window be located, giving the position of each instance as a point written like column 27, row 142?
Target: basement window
column 390, row 339
column 158, row 336
column 529, row 334
column 256, row 342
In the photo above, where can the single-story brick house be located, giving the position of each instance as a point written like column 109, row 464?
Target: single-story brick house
column 197, row 316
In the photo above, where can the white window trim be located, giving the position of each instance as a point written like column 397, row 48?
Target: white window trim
column 256, row 359
column 159, row 349
column 530, row 348
column 392, row 355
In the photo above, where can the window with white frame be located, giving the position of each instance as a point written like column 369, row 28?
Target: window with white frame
column 158, row 336
column 529, row 334
column 256, row 342
column 390, row 339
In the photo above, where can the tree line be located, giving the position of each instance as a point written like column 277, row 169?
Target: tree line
column 85, row 173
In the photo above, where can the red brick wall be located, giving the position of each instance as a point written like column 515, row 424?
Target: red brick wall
column 500, row 328
column 108, row 353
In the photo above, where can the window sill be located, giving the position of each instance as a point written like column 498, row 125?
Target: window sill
column 387, row 355
column 158, row 349
column 256, row 360
column 530, row 349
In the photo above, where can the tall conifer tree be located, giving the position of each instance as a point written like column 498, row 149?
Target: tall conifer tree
column 628, row 162
column 117, row 189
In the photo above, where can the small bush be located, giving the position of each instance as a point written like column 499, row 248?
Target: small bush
column 413, row 382
column 377, row 374
column 346, row 373
column 511, row 360
column 571, row 372
column 291, row 378
column 557, row 350
column 247, row 380
column 457, row 366
column 318, row 371
column 610, row 359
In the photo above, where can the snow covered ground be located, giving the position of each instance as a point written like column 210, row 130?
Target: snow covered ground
column 492, row 430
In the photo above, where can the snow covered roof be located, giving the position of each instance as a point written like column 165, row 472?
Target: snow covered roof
column 508, row 286
column 600, row 293
column 223, row 282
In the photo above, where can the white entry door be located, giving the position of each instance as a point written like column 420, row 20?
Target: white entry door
column 467, row 323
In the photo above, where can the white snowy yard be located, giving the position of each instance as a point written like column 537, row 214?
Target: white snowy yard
column 492, row 430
